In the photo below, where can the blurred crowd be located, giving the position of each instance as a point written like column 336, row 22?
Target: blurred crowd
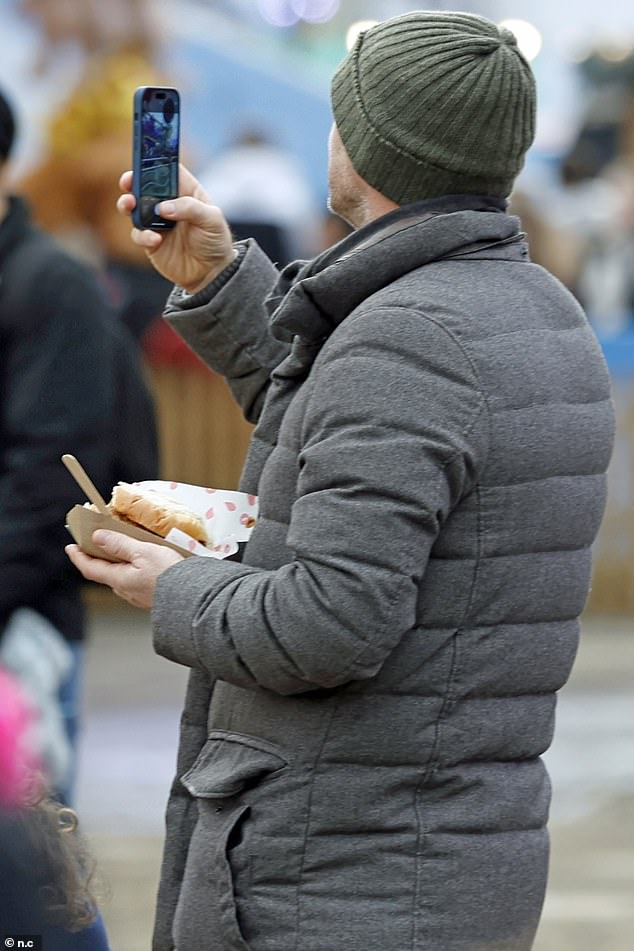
column 72, row 182
column 580, row 215
column 578, row 210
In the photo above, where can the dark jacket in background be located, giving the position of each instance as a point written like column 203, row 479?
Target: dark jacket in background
column 372, row 689
column 24, row 871
column 70, row 381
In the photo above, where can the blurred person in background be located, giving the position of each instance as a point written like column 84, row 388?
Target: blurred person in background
column 582, row 225
column 265, row 195
column 598, row 176
column 372, row 688
column 72, row 190
column 70, row 382
column 45, row 870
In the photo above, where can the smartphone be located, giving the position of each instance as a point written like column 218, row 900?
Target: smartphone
column 156, row 145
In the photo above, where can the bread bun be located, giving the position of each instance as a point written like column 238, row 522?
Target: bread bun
column 155, row 512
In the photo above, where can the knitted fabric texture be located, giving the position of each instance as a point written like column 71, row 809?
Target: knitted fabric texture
column 432, row 104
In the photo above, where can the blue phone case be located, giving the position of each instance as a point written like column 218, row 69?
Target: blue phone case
column 155, row 153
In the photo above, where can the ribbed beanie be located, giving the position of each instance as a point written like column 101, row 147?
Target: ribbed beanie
column 435, row 103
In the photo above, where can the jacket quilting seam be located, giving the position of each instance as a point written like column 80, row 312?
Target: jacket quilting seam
column 448, row 701
column 307, row 825
column 361, row 314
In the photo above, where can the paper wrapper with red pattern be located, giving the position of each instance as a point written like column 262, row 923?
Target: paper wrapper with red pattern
column 229, row 518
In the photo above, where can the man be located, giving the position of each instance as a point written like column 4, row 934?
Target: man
column 373, row 686
column 70, row 382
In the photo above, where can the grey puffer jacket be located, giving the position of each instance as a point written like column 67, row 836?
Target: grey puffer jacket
column 372, row 687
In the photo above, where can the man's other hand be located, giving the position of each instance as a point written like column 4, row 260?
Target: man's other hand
column 134, row 575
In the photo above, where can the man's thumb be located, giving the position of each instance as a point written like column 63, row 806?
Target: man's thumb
column 115, row 544
column 200, row 213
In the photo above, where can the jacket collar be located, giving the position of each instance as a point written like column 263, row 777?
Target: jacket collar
column 310, row 299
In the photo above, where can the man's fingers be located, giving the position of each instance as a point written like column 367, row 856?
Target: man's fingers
column 118, row 545
column 126, row 204
column 188, row 184
column 125, row 182
column 133, row 575
column 93, row 569
column 115, row 545
column 150, row 240
column 76, row 555
column 192, row 210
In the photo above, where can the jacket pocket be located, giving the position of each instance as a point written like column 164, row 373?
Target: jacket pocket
column 228, row 767
column 229, row 763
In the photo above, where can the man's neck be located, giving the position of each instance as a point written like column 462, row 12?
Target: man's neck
column 4, row 207
column 370, row 207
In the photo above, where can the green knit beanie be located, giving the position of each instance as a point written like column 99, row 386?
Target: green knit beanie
column 435, row 103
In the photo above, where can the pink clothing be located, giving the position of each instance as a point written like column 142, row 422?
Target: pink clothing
column 18, row 761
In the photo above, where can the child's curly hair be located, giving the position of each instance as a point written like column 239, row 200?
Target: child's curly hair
column 64, row 870
column 52, row 854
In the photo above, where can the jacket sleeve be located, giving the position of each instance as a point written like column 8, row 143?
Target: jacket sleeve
column 394, row 429
column 229, row 329
column 57, row 397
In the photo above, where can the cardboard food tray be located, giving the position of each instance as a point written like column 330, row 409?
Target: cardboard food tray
column 228, row 516
column 82, row 522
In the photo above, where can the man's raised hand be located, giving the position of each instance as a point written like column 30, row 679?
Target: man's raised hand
column 198, row 249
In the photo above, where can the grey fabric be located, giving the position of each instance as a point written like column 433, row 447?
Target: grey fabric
column 373, row 686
